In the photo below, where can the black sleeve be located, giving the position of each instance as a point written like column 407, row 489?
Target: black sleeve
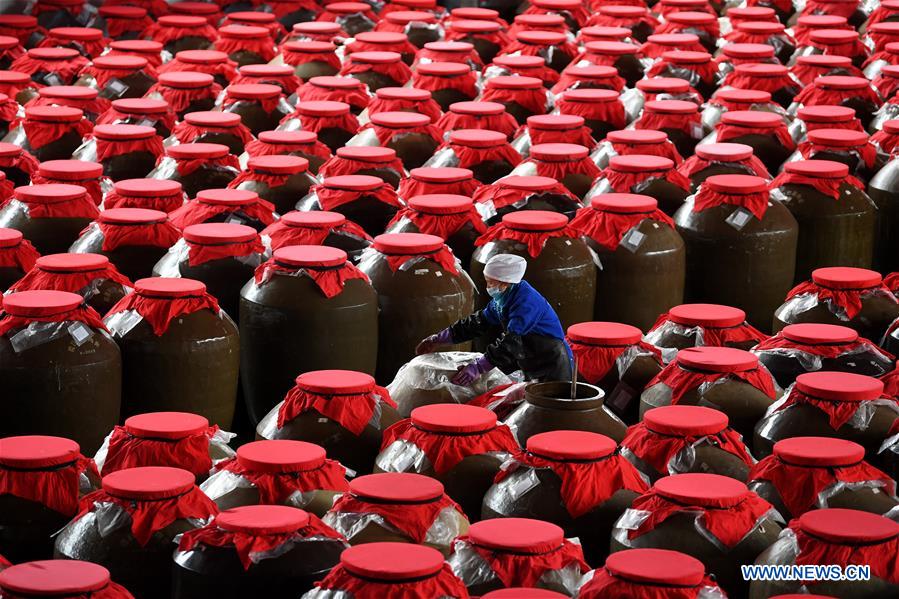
column 472, row 327
column 505, row 351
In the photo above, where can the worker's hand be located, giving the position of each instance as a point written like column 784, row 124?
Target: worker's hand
column 472, row 371
column 428, row 345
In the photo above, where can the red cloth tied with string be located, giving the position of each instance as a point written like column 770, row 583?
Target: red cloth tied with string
column 200, row 254
column 337, row 166
column 504, row 122
column 161, row 203
column 282, row 234
column 83, row 314
column 887, row 87
column 726, row 522
column 411, row 187
column 92, row 186
column 594, row 362
column 719, row 336
column 882, row 558
column 118, row 27
column 824, row 350
column 534, row 240
column 159, row 312
column 624, row 182
column 526, row 569
column 800, row 486
column 581, row 136
column 402, row 47
column 262, row 148
column 55, row 488
column 352, row 411
column 695, row 164
column 179, row 99
column 728, row 131
column 661, row 121
column 428, row 107
column 578, row 13
column 603, row 20
column 107, row 149
column 838, row 412
column 472, row 59
column 347, row 122
column 186, row 132
column 827, row 186
column 850, row 300
column 443, row 257
column 298, row 58
column 657, row 449
column 806, row 73
column 112, row 116
column 197, row 211
column 891, row 389
column 307, row 92
column 329, row 198
column 813, row 95
column 706, row 197
column 160, row 234
column 73, row 282
column 441, row 225
column 22, row 161
column 397, row 71
column 443, row 584
column 282, row 9
column 272, row 180
column 891, row 282
column 261, row 47
column 497, row 38
column 66, row 69
column 465, row 84
column 665, row 149
column 252, row 548
column 411, row 519
column 558, row 170
column 269, row 105
column 849, row 49
column 41, row 133
column 445, row 451
column 387, row 134
column 605, row 584
column 276, row 488
column 567, row 81
column 503, row 196
column 165, row 34
column 329, row 280
column 866, row 152
column 150, row 516
column 21, row 256
column 9, row 108
column 226, row 69
column 840, row 9
column 611, row 113
column 585, row 484
column 128, row 451
column 470, row 156
column 532, row 100
column 681, row 380
column 104, row 76
column 711, row 28
column 188, row 166
column 287, row 82
column 707, row 71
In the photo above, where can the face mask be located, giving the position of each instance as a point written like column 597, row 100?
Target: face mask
column 495, row 292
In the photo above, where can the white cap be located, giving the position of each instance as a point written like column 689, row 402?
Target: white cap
column 506, row 268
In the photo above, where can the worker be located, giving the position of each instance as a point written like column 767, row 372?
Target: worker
column 525, row 331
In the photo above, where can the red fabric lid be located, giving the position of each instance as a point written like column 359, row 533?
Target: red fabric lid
column 19, row 21
column 401, row 120
column 889, row 70
column 72, row 262
column 253, row 91
column 565, row 445
column 353, row 182
column 700, row 489
column 182, row 21
column 761, row 27
column 477, row 138
column 322, row 108
column 37, row 451
column 404, row 17
column 148, row 483
column 637, row 136
column 525, row 183
column 48, row 193
column 71, row 92
column 841, row 82
column 278, row 165
column 453, row 418
column 54, row 578
column 440, row 203
column 737, row 184
column 690, row 18
column 848, row 527
column 607, row 333
column 124, row 62
column 186, row 79
column 17, row 77
column 686, row 57
column 716, row 359
column 123, row 132
column 842, row 138
column 139, row 46
column 622, row 10
column 474, row 12
column 262, row 519
column 441, row 174
column 407, row 244
column 824, row 114
column 517, row 535
column 833, row 37
column 10, row 237
column 396, row 487
column 762, row 70
column 825, row 61
column 839, row 386
column 322, row 27
column 332, row 82
column 53, row 53
column 336, row 382
column 535, row 220
column 846, row 277
column 745, row 96
column 671, row 107
column 656, row 567
column 819, row 451
column 196, row 151
column 243, row 31
column 757, row 119
column 463, row 48
column 640, row 163
column 165, row 287
column 540, row 22
column 443, row 69
column 37, row 303
column 70, row 170
column 515, row 82
column 558, row 152
column 218, row 233
column 522, row 61
column 166, row 425
column 282, row 455
column 310, row 255
column 54, row 114
column 367, row 153
column 592, row 71
column 317, row 219
column 389, row 38
column 348, row 7
column 477, row 108
column 685, row 421
column 724, row 152
column 541, row 38
column 591, row 95
column 273, row 70
column 475, row 26
column 403, row 93
column 391, row 561
column 227, row 197
column 146, row 106
column 131, row 216
column 213, row 118
column 662, row 85
column 252, row 16
column 288, row 137
column 147, row 187
column 376, row 57
column 809, row 333
column 554, row 122
column 523, row 593
column 202, row 56
column 819, row 169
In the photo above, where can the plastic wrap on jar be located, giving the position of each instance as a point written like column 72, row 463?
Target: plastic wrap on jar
column 511, row 489
column 810, row 362
column 685, row 459
column 670, row 327
column 369, row 257
column 365, row 137
column 446, row 526
column 803, row 302
column 87, row 151
column 39, row 333
column 443, row 158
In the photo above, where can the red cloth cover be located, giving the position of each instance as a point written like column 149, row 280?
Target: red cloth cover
column 111, row 116
column 723, row 336
column 347, row 122
column 337, row 166
column 186, row 132
column 838, row 412
column 605, row 584
column 688, row 123
column 594, row 362
column 502, row 196
column 386, row 134
column 330, row 199
column 524, row 570
column 743, row 80
column 442, row 584
column 41, row 133
column 398, row 71
column 269, row 105
column 276, row 488
column 813, row 95
column 829, row 187
column 21, row 256
column 82, row 313
column 412, row 519
column 866, row 152
column 128, row 451
column 329, row 280
column 443, row 257
column 706, row 198
column 883, row 558
column 680, row 380
column 261, row 148
column 159, row 312
column 504, row 122
column 162, row 235
column 179, row 99
column 67, row 69
column 200, row 254
column 534, row 240
column 658, row 450
column 196, row 211
column 611, row 113
column 108, row 149
column 726, row 132
column 188, row 166
column 532, row 100
column 624, row 182
column 262, row 47
column 307, row 92
column 352, row 411
column 825, row 350
column 428, row 107
column 165, row 34
column 694, row 164
column 282, row 235
column 469, row 156
column 441, row 225
column 849, row 300
column 73, row 282
column 104, row 76
column 161, row 203
column 665, row 150
column 581, row 136
column 55, row 488
column 886, row 141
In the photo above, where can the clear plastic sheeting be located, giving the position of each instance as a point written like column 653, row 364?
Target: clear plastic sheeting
column 259, row 556
column 402, row 456
column 446, row 526
column 326, row 594
column 684, row 460
column 877, row 486
column 430, row 375
column 87, row 151
column 366, row 137
column 667, row 328
column 791, row 309
column 889, row 449
column 887, row 112
column 810, row 362
column 443, row 158
column 121, row 323
column 626, row 358
column 181, row 252
column 507, row 399
column 168, row 169
column 511, row 489
column 39, row 333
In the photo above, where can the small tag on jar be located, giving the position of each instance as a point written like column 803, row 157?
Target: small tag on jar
column 739, row 218
column 114, row 89
column 145, row 122
column 621, row 397
column 88, row 14
column 79, row 333
column 696, row 131
column 522, row 484
column 53, row 79
column 122, row 323
column 632, row 240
